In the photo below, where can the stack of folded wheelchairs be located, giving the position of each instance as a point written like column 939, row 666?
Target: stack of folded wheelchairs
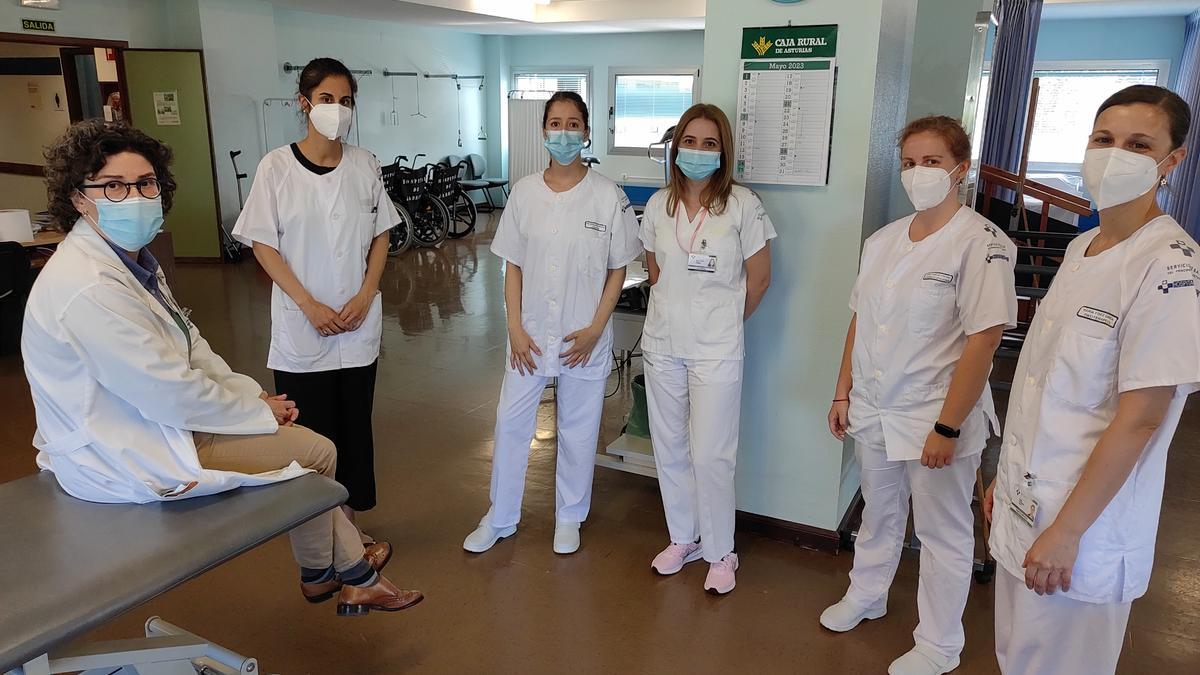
column 433, row 200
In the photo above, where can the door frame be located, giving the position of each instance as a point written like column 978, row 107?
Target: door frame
column 212, row 152
column 63, row 41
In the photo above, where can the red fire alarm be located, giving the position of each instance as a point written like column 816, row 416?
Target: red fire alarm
column 110, row 54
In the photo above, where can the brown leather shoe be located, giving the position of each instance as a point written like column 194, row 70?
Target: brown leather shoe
column 323, row 591
column 378, row 554
column 383, row 596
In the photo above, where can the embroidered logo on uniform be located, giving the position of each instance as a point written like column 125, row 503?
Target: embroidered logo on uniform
column 592, row 225
column 1168, row 286
column 940, row 277
column 992, row 230
column 625, row 203
column 996, row 252
column 1097, row 315
column 1182, row 246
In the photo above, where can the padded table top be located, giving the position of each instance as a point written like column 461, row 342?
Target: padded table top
column 68, row 565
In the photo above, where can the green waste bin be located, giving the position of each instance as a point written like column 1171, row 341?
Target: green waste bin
column 639, row 418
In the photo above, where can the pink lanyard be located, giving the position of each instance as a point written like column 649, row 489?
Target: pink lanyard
column 703, row 214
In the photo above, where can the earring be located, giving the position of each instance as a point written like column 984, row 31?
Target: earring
column 1162, row 182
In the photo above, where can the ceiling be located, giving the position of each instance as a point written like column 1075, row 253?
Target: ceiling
column 521, row 17
column 1097, row 9
column 531, row 17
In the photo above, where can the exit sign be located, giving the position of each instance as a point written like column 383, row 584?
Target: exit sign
column 37, row 25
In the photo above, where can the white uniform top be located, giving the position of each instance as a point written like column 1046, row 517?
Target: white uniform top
column 565, row 243
column 916, row 304
column 1126, row 319
column 693, row 314
column 323, row 227
column 118, row 388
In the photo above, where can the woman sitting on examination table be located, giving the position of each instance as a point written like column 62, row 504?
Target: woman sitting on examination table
column 566, row 236
column 1111, row 356
column 132, row 404
column 933, row 297
column 318, row 218
column 710, row 265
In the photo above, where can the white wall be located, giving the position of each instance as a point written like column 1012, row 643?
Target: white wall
column 684, row 49
column 789, row 467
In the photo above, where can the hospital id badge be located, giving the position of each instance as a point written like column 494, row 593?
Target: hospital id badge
column 702, row 262
column 1023, row 504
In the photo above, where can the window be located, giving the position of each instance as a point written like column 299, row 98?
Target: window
column 645, row 103
column 549, row 81
column 1069, row 95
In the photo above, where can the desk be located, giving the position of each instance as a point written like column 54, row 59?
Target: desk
column 45, row 238
column 95, row 561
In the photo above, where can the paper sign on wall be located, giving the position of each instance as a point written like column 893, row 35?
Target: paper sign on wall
column 35, row 95
column 166, row 108
column 785, row 104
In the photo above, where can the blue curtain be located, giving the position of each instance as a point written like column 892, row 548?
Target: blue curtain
column 1183, row 198
column 1012, row 73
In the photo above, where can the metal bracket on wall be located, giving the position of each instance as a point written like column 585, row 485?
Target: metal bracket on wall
column 457, row 78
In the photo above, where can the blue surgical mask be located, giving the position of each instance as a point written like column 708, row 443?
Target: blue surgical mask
column 564, row 146
column 698, row 164
column 130, row 224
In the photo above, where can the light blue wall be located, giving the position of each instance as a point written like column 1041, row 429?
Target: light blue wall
column 142, row 23
column 1113, row 39
column 789, row 467
column 684, row 49
column 246, row 43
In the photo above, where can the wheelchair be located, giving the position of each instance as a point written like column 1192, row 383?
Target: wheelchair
column 425, row 219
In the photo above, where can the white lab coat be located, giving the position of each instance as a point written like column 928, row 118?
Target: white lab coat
column 565, row 244
column 1126, row 319
column 693, row 341
column 116, row 394
column 916, row 304
column 323, row 227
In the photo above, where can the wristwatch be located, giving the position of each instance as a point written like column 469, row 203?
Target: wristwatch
column 948, row 432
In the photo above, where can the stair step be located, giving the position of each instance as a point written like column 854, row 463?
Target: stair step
column 1045, row 270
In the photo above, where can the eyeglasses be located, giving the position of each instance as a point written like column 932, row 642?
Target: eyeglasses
column 118, row 191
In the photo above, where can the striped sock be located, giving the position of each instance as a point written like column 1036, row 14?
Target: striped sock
column 310, row 575
column 361, row 575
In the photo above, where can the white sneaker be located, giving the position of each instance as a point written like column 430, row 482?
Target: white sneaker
column 845, row 615
column 485, row 536
column 922, row 661
column 566, row 538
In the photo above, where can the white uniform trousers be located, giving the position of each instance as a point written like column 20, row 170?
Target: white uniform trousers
column 580, row 403
column 1053, row 634
column 695, row 410
column 945, row 525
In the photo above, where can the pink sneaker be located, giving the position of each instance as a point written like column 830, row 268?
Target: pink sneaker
column 721, row 579
column 674, row 557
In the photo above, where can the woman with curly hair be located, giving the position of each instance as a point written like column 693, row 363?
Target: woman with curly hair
column 132, row 404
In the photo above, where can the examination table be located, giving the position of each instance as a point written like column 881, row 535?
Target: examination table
column 68, row 566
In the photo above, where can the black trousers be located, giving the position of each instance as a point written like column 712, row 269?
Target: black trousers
column 337, row 404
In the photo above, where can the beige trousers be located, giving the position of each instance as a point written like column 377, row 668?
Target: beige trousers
column 328, row 539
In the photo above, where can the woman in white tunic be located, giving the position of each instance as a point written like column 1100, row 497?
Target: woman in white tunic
column 566, row 236
column 1112, row 354
column 710, row 265
column 132, row 403
column 933, row 297
column 317, row 217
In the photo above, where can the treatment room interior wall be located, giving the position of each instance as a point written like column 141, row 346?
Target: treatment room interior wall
column 683, row 49
column 246, row 43
column 143, row 23
column 1144, row 38
column 789, row 467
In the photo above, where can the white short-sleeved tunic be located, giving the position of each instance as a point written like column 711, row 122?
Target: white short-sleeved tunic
column 565, row 243
column 699, row 314
column 916, row 303
column 323, row 226
column 1126, row 319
